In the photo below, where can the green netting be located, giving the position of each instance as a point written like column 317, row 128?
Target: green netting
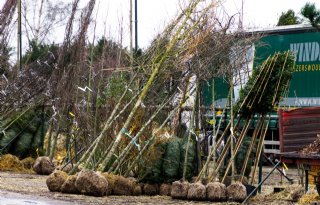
column 8, row 136
column 241, row 155
column 154, row 171
column 38, row 138
column 190, row 171
column 171, row 159
column 22, row 145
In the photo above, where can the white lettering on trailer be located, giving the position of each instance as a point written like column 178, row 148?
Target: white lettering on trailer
column 306, row 52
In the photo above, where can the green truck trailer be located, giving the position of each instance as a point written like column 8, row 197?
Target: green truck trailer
column 304, row 90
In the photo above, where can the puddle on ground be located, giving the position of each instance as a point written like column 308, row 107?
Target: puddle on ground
column 5, row 201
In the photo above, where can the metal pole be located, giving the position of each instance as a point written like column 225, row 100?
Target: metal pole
column 131, row 31
column 136, row 24
column 19, row 60
column 307, row 180
column 261, row 182
column 260, row 171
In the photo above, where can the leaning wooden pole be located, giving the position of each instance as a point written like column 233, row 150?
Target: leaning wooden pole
column 156, row 68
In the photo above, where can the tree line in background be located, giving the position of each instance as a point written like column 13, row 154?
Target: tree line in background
column 309, row 14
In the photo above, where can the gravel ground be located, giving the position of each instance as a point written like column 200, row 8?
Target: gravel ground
column 26, row 189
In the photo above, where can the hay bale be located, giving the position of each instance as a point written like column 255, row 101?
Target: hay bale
column 43, row 166
column 91, row 183
column 137, row 190
column 165, row 190
column 55, row 180
column 216, row 191
column 297, row 194
column 197, row 191
column 123, row 186
column 69, row 186
column 236, row 192
column 151, row 189
column 111, row 178
column 28, row 162
column 10, row 162
column 179, row 190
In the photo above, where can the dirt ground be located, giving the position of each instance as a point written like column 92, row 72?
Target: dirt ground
column 26, row 189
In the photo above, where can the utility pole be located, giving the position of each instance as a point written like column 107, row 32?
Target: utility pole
column 136, row 24
column 19, row 47
column 131, row 30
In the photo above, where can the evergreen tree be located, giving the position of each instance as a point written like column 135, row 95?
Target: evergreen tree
column 310, row 12
column 288, row 18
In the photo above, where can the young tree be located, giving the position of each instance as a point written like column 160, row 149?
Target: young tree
column 310, row 12
column 288, row 18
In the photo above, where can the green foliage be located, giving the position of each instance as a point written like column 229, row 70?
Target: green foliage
column 5, row 53
column 104, row 48
column 115, row 88
column 242, row 153
column 171, row 159
column 288, row 18
column 168, row 167
column 25, row 135
column 273, row 75
column 190, row 172
column 310, row 12
column 37, row 50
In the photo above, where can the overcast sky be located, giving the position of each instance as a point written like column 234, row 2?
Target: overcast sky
column 154, row 14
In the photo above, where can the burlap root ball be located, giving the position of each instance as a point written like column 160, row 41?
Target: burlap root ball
column 179, row 189
column 55, row 180
column 137, row 190
column 197, row 192
column 69, row 186
column 91, row 183
column 236, row 192
column 111, row 178
column 43, row 166
column 165, row 190
column 151, row 189
column 216, row 191
column 123, row 186
column 66, row 168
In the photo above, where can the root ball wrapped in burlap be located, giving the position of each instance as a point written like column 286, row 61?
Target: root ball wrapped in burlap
column 69, row 186
column 197, row 192
column 236, row 192
column 91, row 183
column 216, row 191
column 55, row 180
column 179, row 189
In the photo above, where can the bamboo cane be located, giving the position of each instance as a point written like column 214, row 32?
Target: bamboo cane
column 254, row 136
column 147, row 86
column 89, row 154
column 136, row 160
column 234, row 153
column 126, row 151
column 259, row 150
